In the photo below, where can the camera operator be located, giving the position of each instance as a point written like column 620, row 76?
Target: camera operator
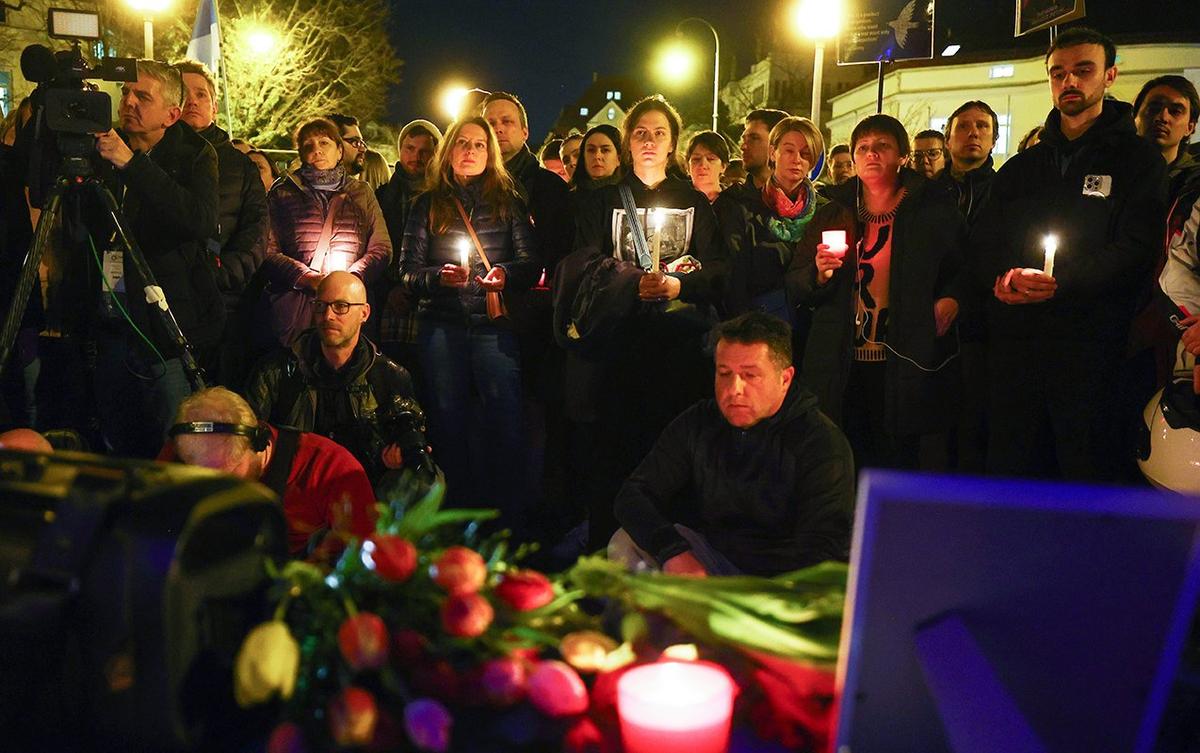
column 334, row 381
column 164, row 176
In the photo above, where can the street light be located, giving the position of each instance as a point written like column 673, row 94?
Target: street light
column 260, row 41
column 148, row 8
column 678, row 59
column 451, row 100
column 819, row 20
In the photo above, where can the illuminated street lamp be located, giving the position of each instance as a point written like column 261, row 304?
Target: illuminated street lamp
column 677, row 61
column 261, row 41
column 452, row 99
column 819, row 20
column 148, row 8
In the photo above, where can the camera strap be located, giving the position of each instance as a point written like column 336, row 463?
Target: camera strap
column 276, row 476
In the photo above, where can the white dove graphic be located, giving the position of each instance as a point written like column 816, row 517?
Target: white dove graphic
column 904, row 23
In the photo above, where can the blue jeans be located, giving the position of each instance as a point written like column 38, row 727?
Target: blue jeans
column 136, row 396
column 476, row 426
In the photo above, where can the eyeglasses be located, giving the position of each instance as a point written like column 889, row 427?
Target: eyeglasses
column 339, row 307
column 355, row 141
column 926, row 154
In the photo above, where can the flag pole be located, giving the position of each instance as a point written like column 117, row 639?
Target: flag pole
column 224, row 79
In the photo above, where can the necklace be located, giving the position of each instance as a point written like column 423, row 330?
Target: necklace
column 882, row 218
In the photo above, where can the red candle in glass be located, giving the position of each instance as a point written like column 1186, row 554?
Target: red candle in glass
column 675, row 707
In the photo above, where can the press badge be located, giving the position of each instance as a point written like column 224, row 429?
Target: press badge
column 1097, row 185
column 114, row 271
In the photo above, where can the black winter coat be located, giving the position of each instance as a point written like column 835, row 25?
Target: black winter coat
column 1107, row 245
column 927, row 264
column 548, row 198
column 170, row 206
column 776, row 497
column 508, row 243
column 242, row 217
column 972, row 190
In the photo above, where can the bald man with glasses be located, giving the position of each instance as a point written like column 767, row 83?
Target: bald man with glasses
column 333, row 380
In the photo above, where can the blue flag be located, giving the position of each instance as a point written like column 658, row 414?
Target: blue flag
column 206, row 39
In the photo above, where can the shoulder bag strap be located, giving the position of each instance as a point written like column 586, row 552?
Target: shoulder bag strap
column 276, row 476
column 462, row 212
column 635, row 226
column 318, row 259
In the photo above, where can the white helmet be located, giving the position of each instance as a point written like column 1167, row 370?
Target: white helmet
column 1169, row 455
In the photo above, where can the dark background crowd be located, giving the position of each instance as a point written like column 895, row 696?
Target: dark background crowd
column 534, row 321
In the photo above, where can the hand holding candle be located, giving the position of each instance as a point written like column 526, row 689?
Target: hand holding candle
column 464, row 253
column 830, row 253
column 1050, row 245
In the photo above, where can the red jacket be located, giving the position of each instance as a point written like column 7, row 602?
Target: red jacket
column 326, row 488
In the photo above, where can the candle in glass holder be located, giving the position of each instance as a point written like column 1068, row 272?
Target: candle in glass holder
column 836, row 240
column 1050, row 244
column 464, row 252
column 675, row 707
column 656, row 217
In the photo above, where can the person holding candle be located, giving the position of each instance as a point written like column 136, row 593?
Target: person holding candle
column 762, row 228
column 322, row 220
column 652, row 365
column 1057, row 341
column 882, row 350
column 471, row 362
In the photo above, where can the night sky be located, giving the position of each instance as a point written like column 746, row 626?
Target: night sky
column 546, row 51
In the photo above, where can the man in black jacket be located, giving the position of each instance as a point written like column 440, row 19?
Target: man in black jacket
column 165, row 179
column 1058, row 322
column 757, row 481
column 238, row 247
column 971, row 135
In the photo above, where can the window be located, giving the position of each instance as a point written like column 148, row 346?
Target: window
column 938, row 124
column 616, row 96
column 608, row 95
column 1001, row 147
column 612, row 113
column 584, row 111
column 1001, row 71
column 5, row 93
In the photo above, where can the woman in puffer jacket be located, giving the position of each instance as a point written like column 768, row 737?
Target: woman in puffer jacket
column 472, row 361
column 322, row 220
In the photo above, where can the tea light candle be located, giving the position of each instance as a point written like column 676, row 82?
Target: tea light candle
column 836, row 240
column 1050, row 244
column 464, row 252
column 675, row 707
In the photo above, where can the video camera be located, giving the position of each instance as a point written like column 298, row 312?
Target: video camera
column 73, row 108
column 402, row 423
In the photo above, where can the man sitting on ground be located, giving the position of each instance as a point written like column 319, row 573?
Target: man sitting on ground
column 757, row 481
column 322, row 486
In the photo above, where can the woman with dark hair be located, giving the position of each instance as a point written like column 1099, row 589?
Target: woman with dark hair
column 599, row 158
column 266, row 168
column 707, row 157
column 882, row 351
column 322, row 220
column 656, row 287
column 468, row 238
column 762, row 228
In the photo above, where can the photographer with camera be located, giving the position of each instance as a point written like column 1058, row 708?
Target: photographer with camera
column 164, row 176
column 334, row 381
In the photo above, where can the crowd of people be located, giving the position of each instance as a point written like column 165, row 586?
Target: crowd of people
column 687, row 352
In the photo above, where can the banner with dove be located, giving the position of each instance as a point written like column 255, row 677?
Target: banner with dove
column 887, row 30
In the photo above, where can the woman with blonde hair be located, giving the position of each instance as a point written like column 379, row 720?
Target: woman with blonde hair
column 468, row 239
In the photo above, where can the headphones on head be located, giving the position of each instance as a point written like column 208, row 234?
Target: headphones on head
column 259, row 435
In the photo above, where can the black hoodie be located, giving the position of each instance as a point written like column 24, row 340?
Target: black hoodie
column 772, row 498
column 1107, row 244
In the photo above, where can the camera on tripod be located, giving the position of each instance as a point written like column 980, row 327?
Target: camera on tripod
column 74, row 107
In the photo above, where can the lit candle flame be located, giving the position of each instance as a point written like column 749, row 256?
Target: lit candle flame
column 1050, row 244
column 464, row 252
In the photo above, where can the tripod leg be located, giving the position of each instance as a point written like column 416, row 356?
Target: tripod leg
column 154, row 294
column 29, row 272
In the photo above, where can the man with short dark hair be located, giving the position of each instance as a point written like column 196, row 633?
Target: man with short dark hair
column 1094, row 191
column 971, row 134
column 355, row 156
column 755, row 481
column 321, row 486
column 239, row 246
column 165, row 178
column 333, row 381
column 1165, row 111
column 841, row 164
column 755, row 146
column 929, row 153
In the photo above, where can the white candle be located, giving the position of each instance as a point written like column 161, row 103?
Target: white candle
column 464, row 252
column 1050, row 244
column 836, row 240
column 337, row 261
column 656, row 216
column 675, row 707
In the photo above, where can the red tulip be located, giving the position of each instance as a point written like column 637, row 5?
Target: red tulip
column 466, row 615
column 363, row 640
column 503, row 681
column 524, row 590
column 556, row 690
column 459, row 570
column 352, row 717
column 286, row 738
column 395, row 558
column 585, row 737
